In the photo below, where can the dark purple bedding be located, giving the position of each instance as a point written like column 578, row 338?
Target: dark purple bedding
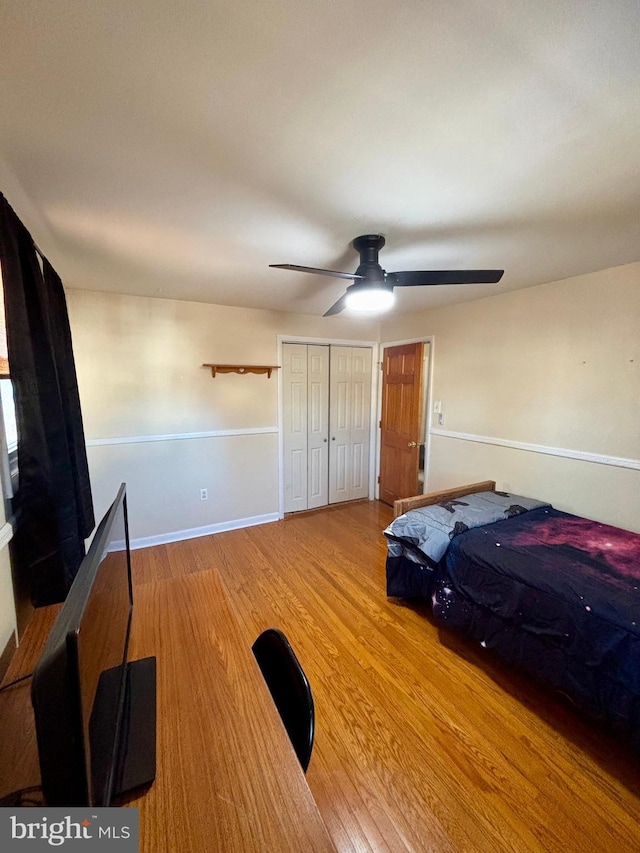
column 555, row 595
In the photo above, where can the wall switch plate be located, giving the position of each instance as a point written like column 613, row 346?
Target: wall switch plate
column 437, row 407
column 204, row 494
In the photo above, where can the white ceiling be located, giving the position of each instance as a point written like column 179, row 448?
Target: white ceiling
column 175, row 148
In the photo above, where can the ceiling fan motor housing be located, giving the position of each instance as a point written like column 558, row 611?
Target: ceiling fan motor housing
column 368, row 247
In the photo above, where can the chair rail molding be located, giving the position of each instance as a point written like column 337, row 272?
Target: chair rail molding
column 582, row 455
column 180, row 436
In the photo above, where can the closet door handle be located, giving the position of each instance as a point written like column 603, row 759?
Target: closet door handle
column 333, row 438
column 325, row 440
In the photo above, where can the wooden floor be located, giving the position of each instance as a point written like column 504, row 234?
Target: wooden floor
column 423, row 742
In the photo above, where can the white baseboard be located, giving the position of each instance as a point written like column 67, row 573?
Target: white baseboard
column 207, row 530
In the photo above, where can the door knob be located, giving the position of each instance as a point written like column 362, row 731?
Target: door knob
column 325, row 440
column 412, row 444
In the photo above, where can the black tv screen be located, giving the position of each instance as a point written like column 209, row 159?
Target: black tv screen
column 95, row 711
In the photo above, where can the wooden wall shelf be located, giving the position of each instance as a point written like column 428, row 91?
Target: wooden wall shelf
column 242, row 368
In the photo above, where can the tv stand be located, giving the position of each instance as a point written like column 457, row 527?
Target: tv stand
column 136, row 761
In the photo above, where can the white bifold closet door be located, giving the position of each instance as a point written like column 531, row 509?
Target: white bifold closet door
column 349, row 423
column 326, row 429
column 305, row 373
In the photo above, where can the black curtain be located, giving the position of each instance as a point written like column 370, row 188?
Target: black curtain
column 53, row 505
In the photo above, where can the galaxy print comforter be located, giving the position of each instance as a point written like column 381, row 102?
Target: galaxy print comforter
column 556, row 595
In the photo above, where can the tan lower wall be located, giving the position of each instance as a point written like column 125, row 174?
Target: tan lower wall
column 601, row 492
column 164, row 479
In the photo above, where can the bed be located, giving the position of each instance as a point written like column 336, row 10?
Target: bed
column 556, row 595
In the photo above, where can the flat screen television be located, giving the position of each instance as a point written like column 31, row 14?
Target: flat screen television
column 94, row 710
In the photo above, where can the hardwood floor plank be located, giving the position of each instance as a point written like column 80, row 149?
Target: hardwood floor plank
column 423, row 741
column 150, row 564
column 378, row 716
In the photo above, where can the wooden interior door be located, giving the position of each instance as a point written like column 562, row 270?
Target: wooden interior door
column 401, row 419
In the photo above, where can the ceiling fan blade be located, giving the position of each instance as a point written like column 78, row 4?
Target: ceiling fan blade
column 332, row 273
column 337, row 307
column 415, row 278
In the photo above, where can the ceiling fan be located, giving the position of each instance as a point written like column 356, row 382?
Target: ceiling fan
column 372, row 288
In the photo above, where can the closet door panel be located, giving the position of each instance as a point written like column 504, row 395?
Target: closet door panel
column 297, row 410
column 340, row 489
column 318, row 426
column 298, row 479
column 359, row 486
column 327, row 414
column 340, row 418
column 317, row 479
column 294, row 379
column 361, row 360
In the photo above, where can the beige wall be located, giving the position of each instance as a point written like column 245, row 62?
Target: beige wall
column 139, row 371
column 557, row 366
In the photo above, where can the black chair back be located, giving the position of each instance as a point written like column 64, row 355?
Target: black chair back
column 289, row 688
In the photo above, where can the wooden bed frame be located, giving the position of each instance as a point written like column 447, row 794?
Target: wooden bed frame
column 405, row 504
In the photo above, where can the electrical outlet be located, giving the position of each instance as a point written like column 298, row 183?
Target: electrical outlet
column 204, row 494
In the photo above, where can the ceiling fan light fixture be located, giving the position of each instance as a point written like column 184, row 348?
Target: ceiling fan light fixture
column 372, row 288
column 370, row 299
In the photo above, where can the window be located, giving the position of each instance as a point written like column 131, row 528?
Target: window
column 8, row 429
